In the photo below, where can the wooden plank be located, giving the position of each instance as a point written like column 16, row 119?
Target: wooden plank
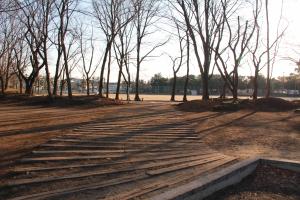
column 107, row 151
column 123, row 142
column 139, row 145
column 139, row 136
column 158, row 183
column 106, row 156
column 199, row 160
column 142, row 132
column 182, row 166
column 158, row 140
column 135, row 128
column 54, row 193
column 117, row 155
column 135, row 159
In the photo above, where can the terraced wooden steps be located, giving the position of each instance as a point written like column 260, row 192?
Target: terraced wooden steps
column 115, row 158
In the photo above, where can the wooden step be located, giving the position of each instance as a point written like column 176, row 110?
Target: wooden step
column 134, row 159
column 118, row 169
column 141, row 188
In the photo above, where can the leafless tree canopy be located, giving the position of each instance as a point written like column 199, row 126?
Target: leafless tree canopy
column 51, row 39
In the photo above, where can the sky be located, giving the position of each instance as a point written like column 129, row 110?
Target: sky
column 160, row 62
column 289, row 43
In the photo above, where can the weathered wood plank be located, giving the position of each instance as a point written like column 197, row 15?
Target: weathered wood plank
column 181, row 165
column 131, row 160
column 163, row 182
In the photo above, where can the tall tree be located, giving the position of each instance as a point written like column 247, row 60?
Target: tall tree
column 187, row 67
column 107, row 12
column 146, row 12
column 177, row 62
column 88, row 68
column 268, row 85
column 34, row 16
column 65, row 10
column 202, row 30
column 228, row 59
column 122, row 43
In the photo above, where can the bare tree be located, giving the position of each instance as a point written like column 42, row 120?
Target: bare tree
column 34, row 16
column 88, row 68
column 272, row 49
column 187, row 67
column 122, row 43
column 268, row 85
column 178, row 61
column 8, row 40
column 21, row 56
column 258, row 53
column 146, row 15
column 239, row 37
column 65, row 10
column 202, row 27
column 107, row 13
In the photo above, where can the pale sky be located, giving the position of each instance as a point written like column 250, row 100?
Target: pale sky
column 161, row 63
column 291, row 16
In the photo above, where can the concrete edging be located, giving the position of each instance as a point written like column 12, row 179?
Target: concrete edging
column 208, row 184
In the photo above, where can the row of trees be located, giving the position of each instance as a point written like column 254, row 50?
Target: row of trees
column 217, row 34
column 33, row 32
column 216, row 83
column 224, row 36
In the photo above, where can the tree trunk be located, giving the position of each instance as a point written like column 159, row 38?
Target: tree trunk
column 108, row 74
column 223, row 94
column 127, row 92
column 62, row 86
column 69, row 84
column 187, row 69
column 48, row 81
column 20, row 85
column 173, row 87
column 119, row 82
column 255, row 84
column 108, row 47
column 6, row 79
column 88, row 86
column 2, row 85
column 235, row 83
column 205, row 93
column 128, row 79
column 56, row 76
column 28, row 88
column 268, row 85
column 138, row 63
column 119, row 77
column 137, row 96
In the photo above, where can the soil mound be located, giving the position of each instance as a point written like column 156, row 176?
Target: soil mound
column 229, row 105
column 274, row 104
column 199, row 105
column 60, row 101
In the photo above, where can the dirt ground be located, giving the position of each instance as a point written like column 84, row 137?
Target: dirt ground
column 249, row 133
column 242, row 134
column 26, row 125
column 265, row 183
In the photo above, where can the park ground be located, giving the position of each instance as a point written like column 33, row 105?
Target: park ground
column 245, row 133
column 91, row 148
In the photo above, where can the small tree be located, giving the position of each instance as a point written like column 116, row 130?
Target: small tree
column 88, row 68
